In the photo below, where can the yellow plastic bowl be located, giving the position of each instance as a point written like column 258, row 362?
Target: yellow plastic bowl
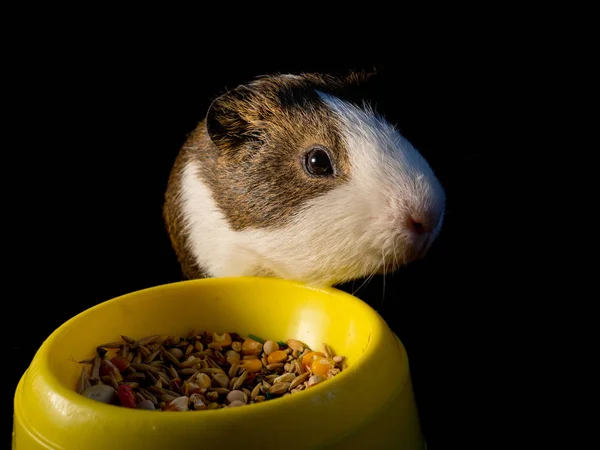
column 370, row 404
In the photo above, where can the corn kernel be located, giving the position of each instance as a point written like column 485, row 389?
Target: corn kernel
column 223, row 340
column 251, row 347
column 277, row 356
column 321, row 366
column 308, row 359
column 251, row 365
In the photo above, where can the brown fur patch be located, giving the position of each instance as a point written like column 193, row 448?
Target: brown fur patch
column 261, row 133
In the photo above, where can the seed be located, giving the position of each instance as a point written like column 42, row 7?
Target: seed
column 332, row 372
column 321, row 366
column 277, row 357
column 236, row 395
column 176, row 352
column 221, row 378
column 142, row 366
column 240, row 380
column 137, row 376
column 189, row 363
column 111, row 381
column 315, row 379
column 219, row 358
column 296, row 345
column 295, row 354
column 152, row 356
column 211, row 370
column 270, row 346
column 83, row 382
column 236, row 346
column 251, row 347
column 213, row 364
column 274, row 366
column 224, row 340
column 160, row 390
column 203, row 381
column 172, row 372
column 279, row 388
column 299, row 380
column 149, row 339
column 338, row 359
column 221, row 390
column 177, row 404
column 260, row 398
column 251, row 365
column 86, row 361
column 101, row 393
column 176, row 384
column 308, row 358
column 113, row 344
column 146, row 404
column 212, row 405
column 255, row 391
column 231, row 360
column 95, row 370
column 232, row 354
column 151, row 377
column 285, row 378
column 149, row 395
column 197, row 402
column 236, row 403
column 233, row 370
column 326, row 350
column 212, row 396
column 144, row 351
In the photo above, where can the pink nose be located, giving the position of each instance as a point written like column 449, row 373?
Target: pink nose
column 419, row 226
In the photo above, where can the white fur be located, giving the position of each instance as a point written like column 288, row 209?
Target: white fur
column 350, row 232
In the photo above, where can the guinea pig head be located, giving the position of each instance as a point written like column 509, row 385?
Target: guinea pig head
column 320, row 188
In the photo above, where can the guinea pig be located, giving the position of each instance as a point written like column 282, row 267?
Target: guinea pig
column 290, row 176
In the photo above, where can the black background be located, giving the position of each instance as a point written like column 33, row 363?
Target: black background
column 103, row 123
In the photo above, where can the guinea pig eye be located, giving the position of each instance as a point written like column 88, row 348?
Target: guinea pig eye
column 318, row 163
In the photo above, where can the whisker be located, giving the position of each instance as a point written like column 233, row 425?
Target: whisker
column 395, row 253
column 361, row 285
column 383, row 256
column 366, row 281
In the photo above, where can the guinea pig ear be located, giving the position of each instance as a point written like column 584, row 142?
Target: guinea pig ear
column 363, row 84
column 361, row 78
column 231, row 117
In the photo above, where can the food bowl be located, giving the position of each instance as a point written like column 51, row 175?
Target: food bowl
column 369, row 404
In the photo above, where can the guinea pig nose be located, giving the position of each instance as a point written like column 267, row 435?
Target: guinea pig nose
column 417, row 226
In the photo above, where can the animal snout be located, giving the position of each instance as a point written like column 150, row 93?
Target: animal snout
column 420, row 224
